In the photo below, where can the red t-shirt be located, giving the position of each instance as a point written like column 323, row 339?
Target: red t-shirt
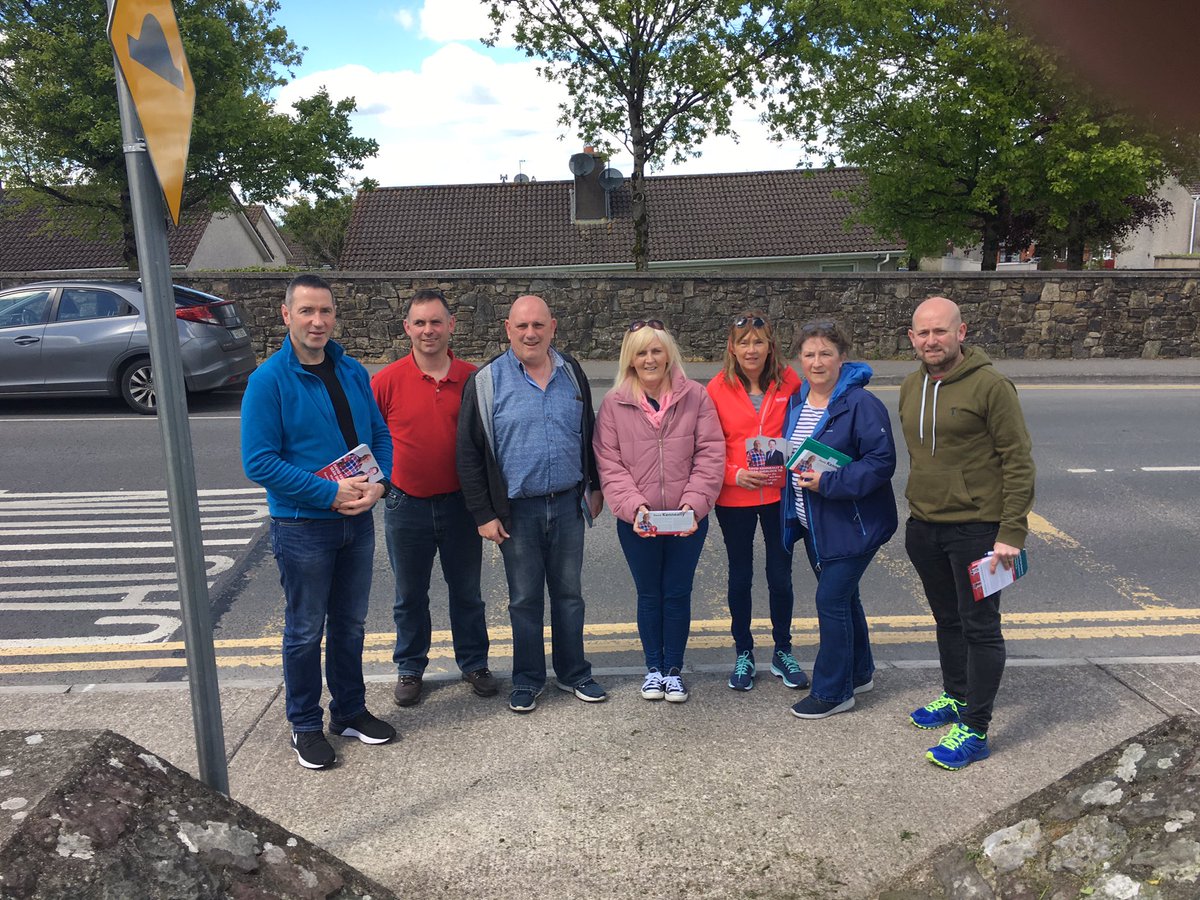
column 422, row 415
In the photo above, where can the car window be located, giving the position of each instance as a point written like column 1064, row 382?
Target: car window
column 22, row 308
column 80, row 303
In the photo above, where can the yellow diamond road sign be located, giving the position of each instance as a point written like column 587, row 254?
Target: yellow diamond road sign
column 145, row 38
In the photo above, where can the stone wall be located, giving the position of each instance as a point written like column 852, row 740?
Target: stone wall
column 1031, row 315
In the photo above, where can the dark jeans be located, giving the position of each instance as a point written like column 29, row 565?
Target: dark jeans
column 970, row 645
column 844, row 655
column 663, row 569
column 544, row 551
column 325, row 570
column 738, row 526
column 416, row 529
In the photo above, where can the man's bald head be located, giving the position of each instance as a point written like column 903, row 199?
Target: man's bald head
column 940, row 307
column 937, row 334
column 530, row 329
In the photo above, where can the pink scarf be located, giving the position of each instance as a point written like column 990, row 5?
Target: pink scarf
column 656, row 415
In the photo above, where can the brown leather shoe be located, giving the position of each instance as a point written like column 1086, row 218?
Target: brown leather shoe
column 408, row 690
column 482, row 682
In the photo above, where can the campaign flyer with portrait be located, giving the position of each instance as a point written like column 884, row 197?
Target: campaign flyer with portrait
column 768, row 456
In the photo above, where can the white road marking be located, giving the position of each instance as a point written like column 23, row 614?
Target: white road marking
column 129, row 587
column 118, row 528
column 1171, row 468
column 1081, row 471
column 164, row 627
column 141, row 545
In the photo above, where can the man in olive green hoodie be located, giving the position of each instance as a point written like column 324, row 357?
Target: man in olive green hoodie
column 970, row 490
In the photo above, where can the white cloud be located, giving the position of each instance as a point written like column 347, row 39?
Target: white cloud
column 404, row 18
column 463, row 117
column 455, row 20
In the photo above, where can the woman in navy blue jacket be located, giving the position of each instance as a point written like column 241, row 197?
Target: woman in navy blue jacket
column 844, row 515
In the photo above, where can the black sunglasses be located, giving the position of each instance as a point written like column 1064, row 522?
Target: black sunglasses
column 743, row 321
column 639, row 324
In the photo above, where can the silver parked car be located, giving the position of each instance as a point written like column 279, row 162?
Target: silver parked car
column 75, row 338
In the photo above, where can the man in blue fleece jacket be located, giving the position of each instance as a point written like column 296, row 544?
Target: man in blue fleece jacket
column 307, row 405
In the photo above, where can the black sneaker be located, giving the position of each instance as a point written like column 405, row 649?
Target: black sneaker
column 312, row 750
column 365, row 727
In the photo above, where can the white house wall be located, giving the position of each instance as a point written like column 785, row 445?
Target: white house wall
column 1167, row 236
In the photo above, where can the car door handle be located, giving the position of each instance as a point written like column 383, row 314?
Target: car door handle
column 26, row 340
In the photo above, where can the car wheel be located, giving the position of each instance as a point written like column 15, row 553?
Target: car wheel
column 137, row 387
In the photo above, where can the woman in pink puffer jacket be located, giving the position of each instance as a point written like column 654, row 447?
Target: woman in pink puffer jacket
column 659, row 446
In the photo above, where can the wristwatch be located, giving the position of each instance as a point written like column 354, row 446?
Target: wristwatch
column 387, row 486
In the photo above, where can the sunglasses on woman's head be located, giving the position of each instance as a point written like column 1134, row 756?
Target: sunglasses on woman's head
column 639, row 324
column 743, row 321
column 814, row 327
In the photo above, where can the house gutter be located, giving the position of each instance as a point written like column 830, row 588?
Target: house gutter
column 883, row 262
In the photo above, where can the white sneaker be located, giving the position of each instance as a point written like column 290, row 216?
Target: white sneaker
column 674, row 687
column 652, row 687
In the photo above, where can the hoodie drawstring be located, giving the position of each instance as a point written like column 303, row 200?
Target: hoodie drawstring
column 932, row 419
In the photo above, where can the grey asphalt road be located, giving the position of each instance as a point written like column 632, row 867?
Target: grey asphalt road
column 1112, row 550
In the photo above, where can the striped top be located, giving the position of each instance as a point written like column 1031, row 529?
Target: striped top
column 810, row 417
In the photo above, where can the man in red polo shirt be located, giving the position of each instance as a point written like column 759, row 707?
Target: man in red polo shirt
column 424, row 513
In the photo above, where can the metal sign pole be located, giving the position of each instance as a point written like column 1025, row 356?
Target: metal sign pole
column 150, row 229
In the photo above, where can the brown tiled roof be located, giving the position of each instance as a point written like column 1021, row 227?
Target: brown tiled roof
column 692, row 217
column 37, row 238
column 1192, row 187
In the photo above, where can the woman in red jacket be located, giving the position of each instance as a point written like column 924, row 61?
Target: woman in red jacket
column 659, row 447
column 751, row 396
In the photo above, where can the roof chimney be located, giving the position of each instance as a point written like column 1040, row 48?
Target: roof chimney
column 589, row 200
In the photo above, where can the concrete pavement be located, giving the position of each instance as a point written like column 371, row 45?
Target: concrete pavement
column 728, row 795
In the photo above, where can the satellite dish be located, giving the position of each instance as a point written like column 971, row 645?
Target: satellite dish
column 611, row 179
column 520, row 178
column 582, row 164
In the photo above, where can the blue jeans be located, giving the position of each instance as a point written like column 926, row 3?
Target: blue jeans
column 416, row 529
column 970, row 643
column 544, row 551
column 325, row 569
column 844, row 655
column 738, row 525
column 663, row 569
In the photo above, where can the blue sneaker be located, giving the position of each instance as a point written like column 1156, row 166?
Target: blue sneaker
column 742, row 677
column 523, row 700
column 588, row 691
column 784, row 665
column 945, row 710
column 959, row 748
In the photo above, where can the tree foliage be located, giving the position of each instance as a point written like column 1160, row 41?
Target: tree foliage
column 656, row 75
column 969, row 133
column 59, row 125
column 319, row 225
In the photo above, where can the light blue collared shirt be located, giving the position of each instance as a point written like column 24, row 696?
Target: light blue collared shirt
column 539, row 434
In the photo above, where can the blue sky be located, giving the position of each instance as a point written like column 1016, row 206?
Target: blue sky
column 447, row 110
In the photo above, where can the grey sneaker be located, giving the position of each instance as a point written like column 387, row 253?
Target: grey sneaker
column 784, row 665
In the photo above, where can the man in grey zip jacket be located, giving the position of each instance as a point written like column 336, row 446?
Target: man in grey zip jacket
column 529, row 478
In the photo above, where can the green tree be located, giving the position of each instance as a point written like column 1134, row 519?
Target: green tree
column 657, row 75
column 61, row 130
column 319, row 225
column 969, row 133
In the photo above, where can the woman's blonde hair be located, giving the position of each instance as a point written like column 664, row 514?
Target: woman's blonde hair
column 636, row 341
column 756, row 323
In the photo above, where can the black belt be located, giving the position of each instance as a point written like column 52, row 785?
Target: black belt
column 430, row 498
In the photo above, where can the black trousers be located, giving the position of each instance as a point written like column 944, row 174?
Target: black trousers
column 970, row 644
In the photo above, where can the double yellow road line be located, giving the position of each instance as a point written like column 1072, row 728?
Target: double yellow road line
column 614, row 637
